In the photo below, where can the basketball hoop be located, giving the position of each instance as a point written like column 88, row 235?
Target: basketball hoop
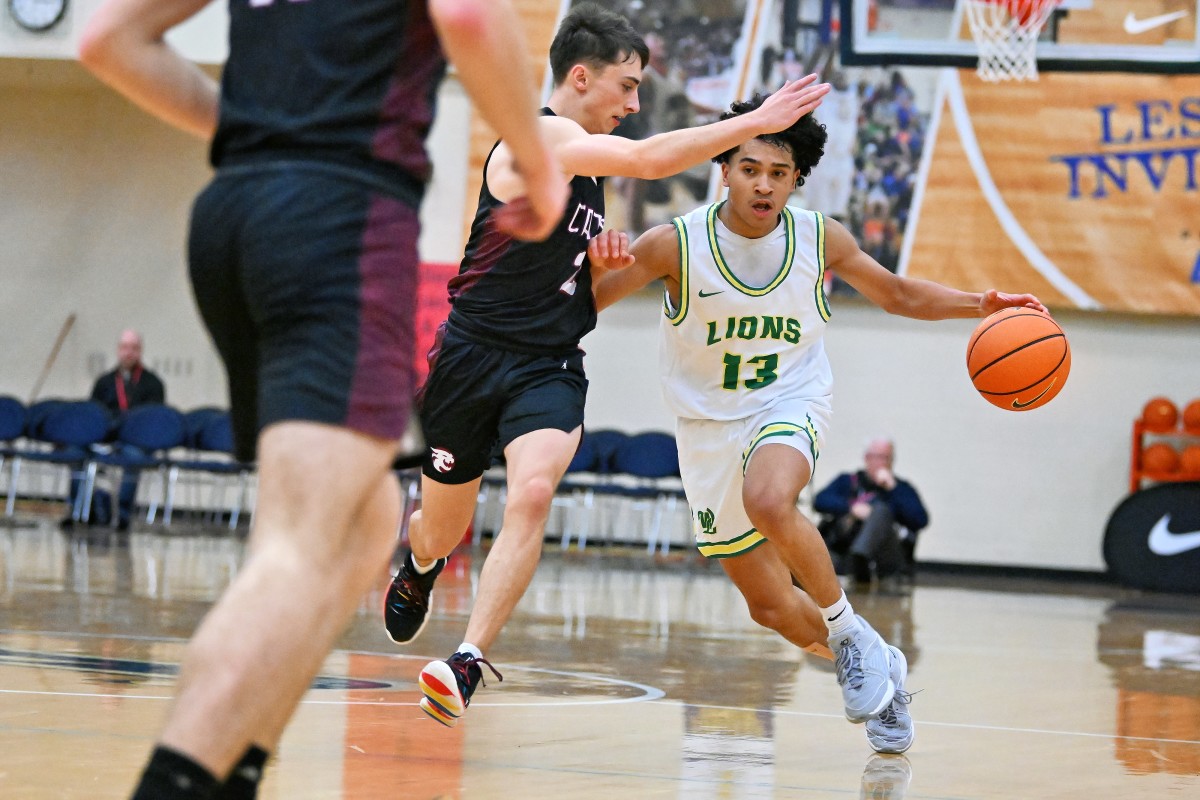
column 1006, row 32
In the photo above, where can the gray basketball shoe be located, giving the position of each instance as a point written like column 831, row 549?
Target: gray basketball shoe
column 892, row 731
column 861, row 659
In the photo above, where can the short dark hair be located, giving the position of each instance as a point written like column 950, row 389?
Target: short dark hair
column 594, row 36
column 805, row 139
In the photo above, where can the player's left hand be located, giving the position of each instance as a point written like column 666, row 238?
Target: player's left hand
column 993, row 301
column 609, row 250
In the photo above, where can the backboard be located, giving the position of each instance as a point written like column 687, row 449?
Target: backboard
column 1147, row 36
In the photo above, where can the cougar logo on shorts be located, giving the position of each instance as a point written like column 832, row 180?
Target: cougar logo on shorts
column 707, row 520
column 443, row 460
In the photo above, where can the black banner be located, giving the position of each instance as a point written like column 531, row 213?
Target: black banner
column 1153, row 539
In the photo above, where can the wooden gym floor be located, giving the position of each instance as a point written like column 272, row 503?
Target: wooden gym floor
column 624, row 677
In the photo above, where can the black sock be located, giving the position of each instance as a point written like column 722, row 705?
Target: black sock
column 173, row 776
column 242, row 783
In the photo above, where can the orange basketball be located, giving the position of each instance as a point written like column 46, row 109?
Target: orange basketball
column 1018, row 359
column 1160, row 415
column 1189, row 459
column 1160, row 458
column 1191, row 417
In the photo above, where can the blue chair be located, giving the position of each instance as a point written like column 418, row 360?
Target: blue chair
column 145, row 436
column 212, row 457
column 13, row 416
column 70, row 429
column 651, row 460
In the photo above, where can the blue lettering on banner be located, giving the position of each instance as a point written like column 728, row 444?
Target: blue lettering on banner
column 1097, row 175
column 1196, row 270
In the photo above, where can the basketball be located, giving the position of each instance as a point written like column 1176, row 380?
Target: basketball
column 1018, row 359
column 1189, row 459
column 1191, row 417
column 1160, row 415
column 1160, row 458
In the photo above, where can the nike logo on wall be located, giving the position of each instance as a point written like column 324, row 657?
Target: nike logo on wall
column 1134, row 26
column 1164, row 542
column 710, row 294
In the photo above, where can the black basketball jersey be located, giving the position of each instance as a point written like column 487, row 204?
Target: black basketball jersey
column 531, row 297
column 349, row 83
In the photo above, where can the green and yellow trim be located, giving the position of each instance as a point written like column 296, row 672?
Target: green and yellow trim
column 684, row 281
column 819, row 296
column 790, row 226
column 734, row 547
column 782, row 429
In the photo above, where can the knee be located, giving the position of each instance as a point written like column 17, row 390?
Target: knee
column 769, row 615
column 531, row 497
column 768, row 508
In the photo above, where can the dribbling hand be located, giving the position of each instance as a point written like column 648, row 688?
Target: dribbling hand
column 993, row 301
column 533, row 216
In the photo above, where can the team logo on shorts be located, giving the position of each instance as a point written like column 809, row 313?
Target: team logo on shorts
column 443, row 460
column 707, row 522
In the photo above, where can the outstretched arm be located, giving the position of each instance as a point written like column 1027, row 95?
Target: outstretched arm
column 908, row 297
column 123, row 46
column 674, row 151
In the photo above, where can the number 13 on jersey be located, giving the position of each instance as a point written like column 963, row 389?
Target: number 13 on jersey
column 765, row 371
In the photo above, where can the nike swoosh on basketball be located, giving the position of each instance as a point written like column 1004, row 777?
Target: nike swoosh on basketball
column 1134, row 26
column 710, row 294
column 1018, row 404
column 1165, row 543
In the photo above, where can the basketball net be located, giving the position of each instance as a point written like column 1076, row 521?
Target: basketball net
column 1006, row 32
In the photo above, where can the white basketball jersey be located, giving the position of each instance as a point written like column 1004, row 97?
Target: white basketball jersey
column 751, row 319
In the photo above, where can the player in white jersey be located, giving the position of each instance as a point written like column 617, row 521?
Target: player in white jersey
column 745, row 371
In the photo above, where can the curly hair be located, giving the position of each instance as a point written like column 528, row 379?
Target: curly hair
column 594, row 36
column 804, row 139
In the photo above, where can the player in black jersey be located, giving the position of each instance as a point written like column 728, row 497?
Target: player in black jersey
column 303, row 253
column 506, row 374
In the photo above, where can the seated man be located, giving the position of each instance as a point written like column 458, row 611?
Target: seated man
column 128, row 385
column 865, row 512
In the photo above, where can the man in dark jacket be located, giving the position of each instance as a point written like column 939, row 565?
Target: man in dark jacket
column 872, row 517
column 119, row 390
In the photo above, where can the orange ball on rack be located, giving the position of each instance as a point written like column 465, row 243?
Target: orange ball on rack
column 1191, row 417
column 1189, row 459
column 1160, row 415
column 1160, row 458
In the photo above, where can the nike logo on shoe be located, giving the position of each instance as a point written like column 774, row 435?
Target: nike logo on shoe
column 1164, row 542
column 1135, row 26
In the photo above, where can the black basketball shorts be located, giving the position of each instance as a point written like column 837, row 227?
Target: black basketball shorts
column 306, row 280
column 478, row 399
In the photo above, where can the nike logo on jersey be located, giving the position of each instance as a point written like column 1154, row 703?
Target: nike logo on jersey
column 711, row 294
column 1164, row 542
column 1135, row 26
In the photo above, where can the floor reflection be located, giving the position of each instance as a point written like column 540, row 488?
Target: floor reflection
column 623, row 676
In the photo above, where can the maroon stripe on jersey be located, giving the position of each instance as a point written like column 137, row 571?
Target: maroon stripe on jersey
column 490, row 246
column 381, row 391
column 408, row 107
column 436, row 350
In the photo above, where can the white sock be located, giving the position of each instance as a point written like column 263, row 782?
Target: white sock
column 469, row 649
column 417, row 568
column 839, row 617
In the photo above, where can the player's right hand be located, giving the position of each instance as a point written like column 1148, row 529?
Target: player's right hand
column 533, row 216
column 790, row 102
